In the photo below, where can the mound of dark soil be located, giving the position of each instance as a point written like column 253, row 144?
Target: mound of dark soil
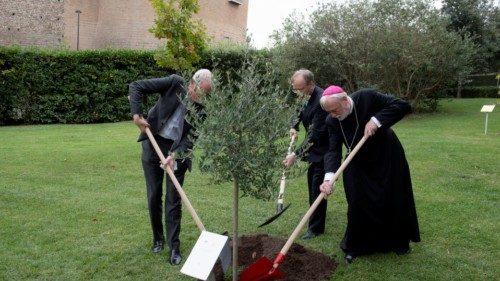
column 299, row 264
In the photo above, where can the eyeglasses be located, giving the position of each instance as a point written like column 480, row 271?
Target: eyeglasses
column 300, row 91
column 300, row 87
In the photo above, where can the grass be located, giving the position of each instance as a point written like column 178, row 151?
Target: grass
column 73, row 207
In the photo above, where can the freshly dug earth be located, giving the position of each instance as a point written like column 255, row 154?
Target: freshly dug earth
column 300, row 263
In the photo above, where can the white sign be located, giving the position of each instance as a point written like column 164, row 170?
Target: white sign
column 204, row 255
column 487, row 108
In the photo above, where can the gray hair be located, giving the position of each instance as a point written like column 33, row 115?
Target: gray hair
column 307, row 74
column 202, row 75
column 323, row 99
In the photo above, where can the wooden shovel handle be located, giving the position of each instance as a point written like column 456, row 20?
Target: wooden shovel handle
column 181, row 192
column 291, row 144
column 313, row 207
column 283, row 175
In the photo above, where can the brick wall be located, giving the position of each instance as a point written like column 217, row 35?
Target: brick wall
column 106, row 23
column 224, row 20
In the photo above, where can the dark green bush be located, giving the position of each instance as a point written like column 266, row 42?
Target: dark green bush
column 60, row 86
column 40, row 86
column 483, row 80
column 227, row 59
column 480, row 92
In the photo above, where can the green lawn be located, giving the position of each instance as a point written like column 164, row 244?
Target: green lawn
column 73, row 207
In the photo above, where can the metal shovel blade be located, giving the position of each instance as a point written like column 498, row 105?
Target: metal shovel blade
column 261, row 270
column 271, row 219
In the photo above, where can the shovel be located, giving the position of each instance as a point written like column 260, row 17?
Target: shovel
column 216, row 241
column 265, row 270
column 279, row 207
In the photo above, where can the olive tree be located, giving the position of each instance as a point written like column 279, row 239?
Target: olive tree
column 244, row 135
column 401, row 47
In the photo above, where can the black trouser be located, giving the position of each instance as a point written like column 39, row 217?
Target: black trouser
column 315, row 177
column 154, row 175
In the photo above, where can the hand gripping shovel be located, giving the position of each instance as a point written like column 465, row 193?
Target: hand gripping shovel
column 265, row 270
column 200, row 267
column 279, row 207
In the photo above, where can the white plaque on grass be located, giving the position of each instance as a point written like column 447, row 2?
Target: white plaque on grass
column 487, row 108
column 204, row 255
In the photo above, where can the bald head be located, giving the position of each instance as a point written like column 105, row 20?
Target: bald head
column 200, row 84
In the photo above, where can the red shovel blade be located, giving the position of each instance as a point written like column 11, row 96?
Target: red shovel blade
column 261, row 270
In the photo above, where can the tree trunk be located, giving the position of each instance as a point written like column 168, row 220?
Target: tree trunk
column 235, row 228
column 459, row 89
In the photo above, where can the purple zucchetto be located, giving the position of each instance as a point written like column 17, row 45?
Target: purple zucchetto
column 332, row 90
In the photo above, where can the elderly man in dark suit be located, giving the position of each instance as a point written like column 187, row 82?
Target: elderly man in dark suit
column 381, row 214
column 166, row 120
column 314, row 145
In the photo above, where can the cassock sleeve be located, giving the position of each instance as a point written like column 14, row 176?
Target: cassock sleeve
column 392, row 109
column 333, row 156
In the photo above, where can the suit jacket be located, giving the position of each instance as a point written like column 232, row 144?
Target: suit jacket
column 315, row 145
column 172, row 92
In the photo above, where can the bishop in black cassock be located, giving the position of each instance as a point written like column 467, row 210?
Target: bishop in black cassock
column 381, row 213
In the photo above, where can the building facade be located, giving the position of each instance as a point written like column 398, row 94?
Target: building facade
column 96, row 24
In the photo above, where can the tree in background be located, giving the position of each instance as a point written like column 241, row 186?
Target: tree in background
column 479, row 20
column 185, row 37
column 400, row 47
column 243, row 137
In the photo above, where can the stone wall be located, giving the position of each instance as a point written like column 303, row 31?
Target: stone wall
column 28, row 22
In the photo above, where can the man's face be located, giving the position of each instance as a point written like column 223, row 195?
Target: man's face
column 337, row 108
column 199, row 91
column 299, row 86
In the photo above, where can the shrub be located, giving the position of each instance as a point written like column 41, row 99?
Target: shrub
column 60, row 86
column 41, row 86
column 480, row 92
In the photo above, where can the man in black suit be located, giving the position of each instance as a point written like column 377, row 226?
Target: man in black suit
column 314, row 145
column 166, row 120
column 381, row 213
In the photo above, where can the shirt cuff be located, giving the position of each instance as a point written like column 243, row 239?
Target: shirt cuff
column 329, row 176
column 375, row 120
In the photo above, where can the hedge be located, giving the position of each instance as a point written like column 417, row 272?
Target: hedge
column 60, row 86
column 41, row 86
column 488, row 79
column 481, row 92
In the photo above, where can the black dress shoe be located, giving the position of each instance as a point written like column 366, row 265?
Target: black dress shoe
column 157, row 246
column 175, row 257
column 349, row 258
column 309, row 235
